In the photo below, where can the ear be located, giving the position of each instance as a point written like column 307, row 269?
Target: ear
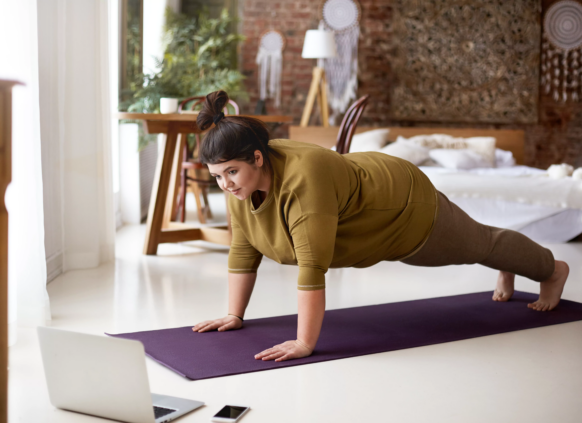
column 258, row 158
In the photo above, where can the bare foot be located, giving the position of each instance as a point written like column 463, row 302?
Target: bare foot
column 504, row 289
column 551, row 289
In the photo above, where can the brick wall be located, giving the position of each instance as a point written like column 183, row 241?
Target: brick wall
column 556, row 138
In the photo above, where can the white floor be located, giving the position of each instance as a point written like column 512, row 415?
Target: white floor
column 527, row 376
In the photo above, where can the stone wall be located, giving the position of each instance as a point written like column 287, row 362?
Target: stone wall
column 555, row 138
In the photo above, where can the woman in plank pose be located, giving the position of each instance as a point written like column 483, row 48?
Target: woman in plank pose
column 305, row 205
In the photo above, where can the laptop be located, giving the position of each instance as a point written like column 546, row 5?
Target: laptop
column 104, row 377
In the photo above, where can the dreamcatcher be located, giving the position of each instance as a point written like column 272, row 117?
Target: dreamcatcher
column 561, row 51
column 270, row 60
column 342, row 17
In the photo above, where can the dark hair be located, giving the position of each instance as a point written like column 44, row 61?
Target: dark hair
column 233, row 137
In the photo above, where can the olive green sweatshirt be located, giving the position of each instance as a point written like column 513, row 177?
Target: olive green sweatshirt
column 327, row 210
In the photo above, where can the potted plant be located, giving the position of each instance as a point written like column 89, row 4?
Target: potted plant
column 200, row 57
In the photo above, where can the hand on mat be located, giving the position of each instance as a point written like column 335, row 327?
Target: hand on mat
column 285, row 351
column 225, row 323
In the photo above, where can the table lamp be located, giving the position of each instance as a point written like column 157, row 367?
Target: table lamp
column 318, row 44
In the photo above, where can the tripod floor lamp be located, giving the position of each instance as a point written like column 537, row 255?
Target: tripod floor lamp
column 318, row 44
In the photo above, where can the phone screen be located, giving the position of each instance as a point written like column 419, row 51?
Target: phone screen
column 230, row 412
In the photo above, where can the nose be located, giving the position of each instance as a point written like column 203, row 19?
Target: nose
column 226, row 183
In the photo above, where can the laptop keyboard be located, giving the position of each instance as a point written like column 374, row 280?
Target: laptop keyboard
column 161, row 411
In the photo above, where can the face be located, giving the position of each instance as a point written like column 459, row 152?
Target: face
column 239, row 178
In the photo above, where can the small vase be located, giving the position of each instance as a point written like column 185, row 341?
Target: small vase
column 168, row 105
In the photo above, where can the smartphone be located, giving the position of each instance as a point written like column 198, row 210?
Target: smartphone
column 230, row 414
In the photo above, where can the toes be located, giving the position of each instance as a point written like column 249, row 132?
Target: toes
column 539, row 306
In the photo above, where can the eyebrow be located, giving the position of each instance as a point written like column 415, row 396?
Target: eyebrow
column 225, row 170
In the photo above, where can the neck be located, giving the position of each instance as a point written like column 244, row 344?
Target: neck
column 265, row 182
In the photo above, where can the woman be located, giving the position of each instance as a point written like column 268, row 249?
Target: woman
column 302, row 204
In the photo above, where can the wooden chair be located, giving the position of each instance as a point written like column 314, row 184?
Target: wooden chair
column 196, row 172
column 349, row 123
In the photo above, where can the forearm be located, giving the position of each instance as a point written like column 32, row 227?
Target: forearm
column 240, row 288
column 311, row 308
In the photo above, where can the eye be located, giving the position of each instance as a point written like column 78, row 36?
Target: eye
column 217, row 176
column 232, row 172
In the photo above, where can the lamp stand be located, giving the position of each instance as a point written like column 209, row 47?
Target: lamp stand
column 317, row 89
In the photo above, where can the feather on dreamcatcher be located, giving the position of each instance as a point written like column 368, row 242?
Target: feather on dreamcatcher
column 270, row 61
column 342, row 17
column 561, row 51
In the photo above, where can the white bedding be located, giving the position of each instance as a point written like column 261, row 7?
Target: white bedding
column 518, row 197
column 517, row 184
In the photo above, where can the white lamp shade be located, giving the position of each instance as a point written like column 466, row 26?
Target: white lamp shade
column 318, row 44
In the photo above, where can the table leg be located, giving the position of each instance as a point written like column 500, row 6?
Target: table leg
column 174, row 186
column 160, row 193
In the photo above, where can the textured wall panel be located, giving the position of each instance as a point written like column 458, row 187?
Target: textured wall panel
column 466, row 61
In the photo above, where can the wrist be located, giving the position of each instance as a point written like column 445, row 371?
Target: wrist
column 304, row 345
column 237, row 316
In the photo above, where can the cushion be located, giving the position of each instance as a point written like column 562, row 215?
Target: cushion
column 559, row 171
column 412, row 152
column 504, row 158
column 372, row 140
column 435, row 141
column 462, row 158
column 482, row 145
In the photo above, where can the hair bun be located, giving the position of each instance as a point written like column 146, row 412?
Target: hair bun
column 212, row 108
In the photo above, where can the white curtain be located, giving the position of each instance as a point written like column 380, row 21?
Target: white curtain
column 28, row 298
column 60, row 50
column 88, row 213
column 76, row 130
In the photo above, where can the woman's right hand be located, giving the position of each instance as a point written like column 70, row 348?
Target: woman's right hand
column 225, row 323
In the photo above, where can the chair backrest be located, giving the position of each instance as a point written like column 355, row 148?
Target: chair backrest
column 349, row 124
column 183, row 103
column 200, row 99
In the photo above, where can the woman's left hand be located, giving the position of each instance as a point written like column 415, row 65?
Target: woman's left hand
column 285, row 351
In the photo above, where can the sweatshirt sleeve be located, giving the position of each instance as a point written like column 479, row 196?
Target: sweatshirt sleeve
column 243, row 257
column 314, row 241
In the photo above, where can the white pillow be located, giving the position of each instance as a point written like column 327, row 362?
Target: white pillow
column 412, row 152
column 504, row 158
column 482, row 145
column 434, row 141
column 458, row 158
column 372, row 140
column 559, row 171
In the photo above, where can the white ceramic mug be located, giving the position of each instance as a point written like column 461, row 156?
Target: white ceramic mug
column 168, row 105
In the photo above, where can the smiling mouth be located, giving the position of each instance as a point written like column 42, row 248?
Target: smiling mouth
column 235, row 191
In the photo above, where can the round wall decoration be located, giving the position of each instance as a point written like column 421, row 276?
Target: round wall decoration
column 563, row 25
column 270, row 61
column 342, row 17
column 562, row 51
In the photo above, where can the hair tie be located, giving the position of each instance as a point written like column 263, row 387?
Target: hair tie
column 217, row 118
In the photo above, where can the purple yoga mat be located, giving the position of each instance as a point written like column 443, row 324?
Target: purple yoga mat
column 349, row 332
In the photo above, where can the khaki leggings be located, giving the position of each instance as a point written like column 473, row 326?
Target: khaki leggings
column 458, row 239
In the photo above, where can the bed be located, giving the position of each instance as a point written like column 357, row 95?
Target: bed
column 516, row 197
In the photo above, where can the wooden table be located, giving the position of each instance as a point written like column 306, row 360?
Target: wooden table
column 160, row 228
